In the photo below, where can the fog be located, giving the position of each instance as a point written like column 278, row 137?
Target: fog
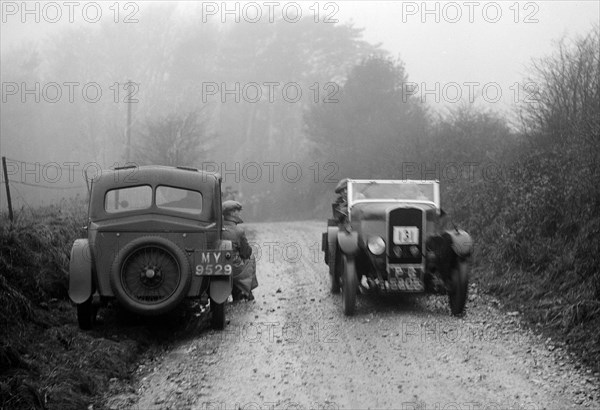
column 253, row 89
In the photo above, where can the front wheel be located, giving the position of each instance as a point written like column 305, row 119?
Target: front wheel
column 349, row 285
column 86, row 314
column 459, row 287
column 217, row 320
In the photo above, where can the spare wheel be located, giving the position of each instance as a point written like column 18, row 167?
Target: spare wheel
column 150, row 275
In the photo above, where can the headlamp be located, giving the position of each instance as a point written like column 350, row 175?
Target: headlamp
column 376, row 245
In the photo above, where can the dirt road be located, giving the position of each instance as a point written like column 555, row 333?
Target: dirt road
column 293, row 348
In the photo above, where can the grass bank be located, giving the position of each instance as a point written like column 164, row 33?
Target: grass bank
column 46, row 361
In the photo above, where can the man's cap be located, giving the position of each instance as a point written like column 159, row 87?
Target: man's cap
column 230, row 206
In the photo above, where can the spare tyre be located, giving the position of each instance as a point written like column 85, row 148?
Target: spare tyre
column 150, row 275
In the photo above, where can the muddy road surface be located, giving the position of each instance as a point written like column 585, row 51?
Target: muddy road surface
column 293, row 348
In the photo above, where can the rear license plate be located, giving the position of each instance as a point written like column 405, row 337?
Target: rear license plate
column 213, row 263
column 405, row 279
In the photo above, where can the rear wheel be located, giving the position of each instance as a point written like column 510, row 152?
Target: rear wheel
column 217, row 320
column 86, row 314
column 349, row 285
column 459, row 287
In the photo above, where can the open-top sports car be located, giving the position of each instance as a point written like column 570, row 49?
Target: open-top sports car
column 390, row 236
column 154, row 238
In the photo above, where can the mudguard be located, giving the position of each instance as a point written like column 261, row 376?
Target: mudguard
column 332, row 234
column 80, row 272
column 462, row 244
column 331, row 238
column 220, row 288
column 348, row 242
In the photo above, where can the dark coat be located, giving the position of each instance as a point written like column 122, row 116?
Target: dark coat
column 237, row 236
column 244, row 267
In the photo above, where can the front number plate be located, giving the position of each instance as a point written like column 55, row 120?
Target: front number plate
column 406, row 235
column 213, row 263
column 405, row 279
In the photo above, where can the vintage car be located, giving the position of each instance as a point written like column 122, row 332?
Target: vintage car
column 389, row 236
column 153, row 241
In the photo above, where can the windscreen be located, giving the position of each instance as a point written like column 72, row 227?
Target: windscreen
column 393, row 190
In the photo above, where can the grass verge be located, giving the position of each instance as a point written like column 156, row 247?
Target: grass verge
column 46, row 361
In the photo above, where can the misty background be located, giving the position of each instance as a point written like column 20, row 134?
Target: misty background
column 282, row 106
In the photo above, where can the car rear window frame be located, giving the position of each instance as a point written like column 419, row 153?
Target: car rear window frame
column 198, row 211
column 117, row 211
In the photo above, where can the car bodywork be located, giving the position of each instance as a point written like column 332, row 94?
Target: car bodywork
column 390, row 236
column 153, row 240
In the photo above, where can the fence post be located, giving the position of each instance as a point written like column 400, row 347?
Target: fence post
column 10, row 211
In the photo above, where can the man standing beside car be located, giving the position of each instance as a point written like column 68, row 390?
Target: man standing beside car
column 244, row 266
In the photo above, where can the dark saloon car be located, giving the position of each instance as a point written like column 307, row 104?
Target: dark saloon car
column 153, row 240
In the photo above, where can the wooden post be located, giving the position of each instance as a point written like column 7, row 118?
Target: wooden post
column 10, row 211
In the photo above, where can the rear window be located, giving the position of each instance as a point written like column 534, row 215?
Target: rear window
column 178, row 199
column 128, row 199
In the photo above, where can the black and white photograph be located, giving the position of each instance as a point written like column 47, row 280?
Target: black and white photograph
column 261, row 205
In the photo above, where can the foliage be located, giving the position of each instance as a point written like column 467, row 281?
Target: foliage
column 177, row 139
column 172, row 60
column 373, row 120
column 564, row 101
column 312, row 58
column 537, row 226
column 38, row 271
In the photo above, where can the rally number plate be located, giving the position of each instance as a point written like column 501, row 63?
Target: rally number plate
column 406, row 235
column 213, row 263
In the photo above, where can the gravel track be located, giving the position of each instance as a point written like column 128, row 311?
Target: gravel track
column 293, row 348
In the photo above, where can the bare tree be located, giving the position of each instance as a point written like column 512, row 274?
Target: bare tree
column 177, row 139
column 564, row 92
